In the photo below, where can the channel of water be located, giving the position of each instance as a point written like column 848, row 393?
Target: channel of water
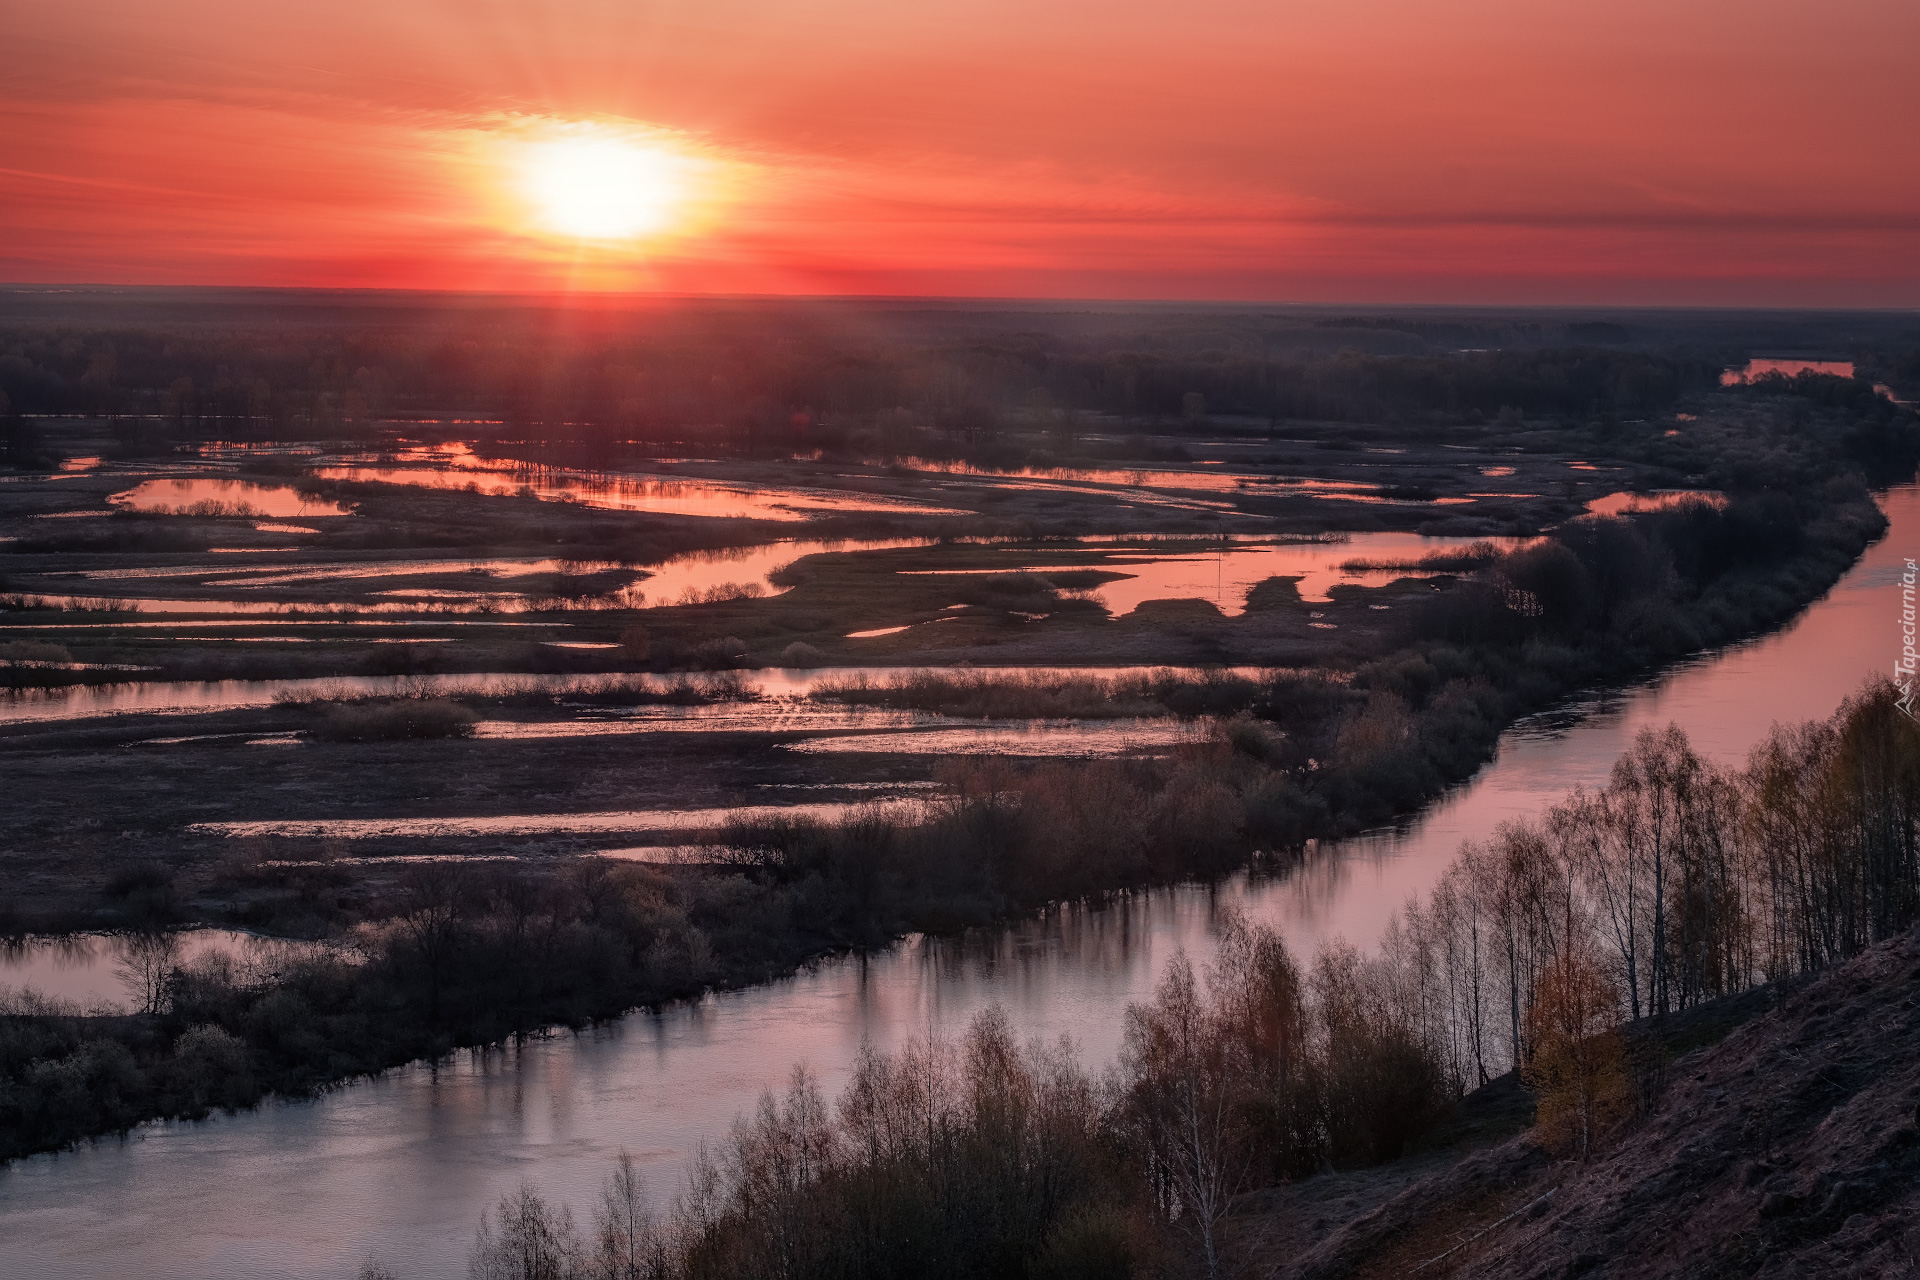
column 399, row 1168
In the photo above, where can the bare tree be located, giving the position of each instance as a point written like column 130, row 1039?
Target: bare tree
column 1592, row 829
column 146, row 964
column 629, row 1243
column 527, row 1239
column 432, row 919
column 1173, row 1058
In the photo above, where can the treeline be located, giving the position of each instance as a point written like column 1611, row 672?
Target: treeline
column 1593, row 602
column 987, row 1157
column 775, row 381
column 1871, row 431
column 1676, row 884
column 466, row 954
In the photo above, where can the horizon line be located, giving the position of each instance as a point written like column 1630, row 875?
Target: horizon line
column 612, row 295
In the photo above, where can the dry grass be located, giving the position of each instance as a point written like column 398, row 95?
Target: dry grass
column 1050, row 695
column 1465, row 559
column 397, row 720
column 1020, row 695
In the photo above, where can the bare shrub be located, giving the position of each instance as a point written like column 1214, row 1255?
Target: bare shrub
column 801, row 654
column 31, row 653
column 721, row 653
column 526, row 1239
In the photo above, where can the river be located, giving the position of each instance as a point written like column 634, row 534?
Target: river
column 399, row 1169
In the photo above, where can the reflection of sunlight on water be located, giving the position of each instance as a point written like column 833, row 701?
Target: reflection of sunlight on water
column 460, row 602
column 749, row 567
column 530, row 824
column 1225, row 576
column 88, row 969
column 215, row 496
column 1056, row 740
column 666, row 495
column 1755, row 369
column 1614, row 504
column 746, row 566
column 1133, row 477
column 265, row 575
column 182, row 697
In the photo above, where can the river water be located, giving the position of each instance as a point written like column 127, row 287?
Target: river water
column 400, row 1168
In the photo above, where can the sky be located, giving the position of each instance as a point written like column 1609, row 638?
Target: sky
column 1686, row 152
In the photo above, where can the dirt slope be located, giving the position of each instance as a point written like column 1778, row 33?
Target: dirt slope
column 1791, row 1148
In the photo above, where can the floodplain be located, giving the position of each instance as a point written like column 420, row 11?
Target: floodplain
column 357, row 740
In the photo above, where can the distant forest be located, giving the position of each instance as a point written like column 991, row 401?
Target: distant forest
column 774, row 375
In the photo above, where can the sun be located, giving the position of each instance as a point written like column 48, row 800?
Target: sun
column 600, row 186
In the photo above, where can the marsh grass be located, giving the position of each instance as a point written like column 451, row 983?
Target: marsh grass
column 685, row 689
column 396, row 720
column 1477, row 556
column 1050, row 695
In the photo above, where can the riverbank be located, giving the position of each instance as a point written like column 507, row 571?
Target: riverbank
column 471, row 953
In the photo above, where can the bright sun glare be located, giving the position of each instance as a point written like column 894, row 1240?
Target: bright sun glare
column 599, row 187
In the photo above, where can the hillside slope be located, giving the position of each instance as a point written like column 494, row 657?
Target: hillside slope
column 1791, row 1148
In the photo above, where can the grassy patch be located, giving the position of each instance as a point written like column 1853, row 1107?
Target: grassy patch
column 1048, row 695
column 394, row 721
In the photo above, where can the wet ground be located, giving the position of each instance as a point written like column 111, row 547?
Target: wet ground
column 222, row 593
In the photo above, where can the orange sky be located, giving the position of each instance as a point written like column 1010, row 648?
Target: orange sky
column 1683, row 151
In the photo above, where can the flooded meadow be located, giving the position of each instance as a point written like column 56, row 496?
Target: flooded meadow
column 853, row 739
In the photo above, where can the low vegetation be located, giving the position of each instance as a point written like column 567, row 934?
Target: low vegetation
column 984, row 1156
column 1306, row 756
column 1676, row 886
column 1061, row 694
column 394, row 721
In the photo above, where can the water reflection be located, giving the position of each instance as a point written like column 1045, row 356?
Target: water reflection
column 688, row 577
column 1138, row 483
column 91, row 970
column 660, row 494
column 1756, row 369
column 630, row 821
column 271, row 575
column 1133, row 477
column 1615, row 504
column 1227, row 573
column 212, row 496
column 1055, row 740
column 452, row 602
column 703, row 572
column 188, row 697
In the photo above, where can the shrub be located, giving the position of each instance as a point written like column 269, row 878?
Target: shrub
column 724, row 653
column 1094, row 1243
column 801, row 654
